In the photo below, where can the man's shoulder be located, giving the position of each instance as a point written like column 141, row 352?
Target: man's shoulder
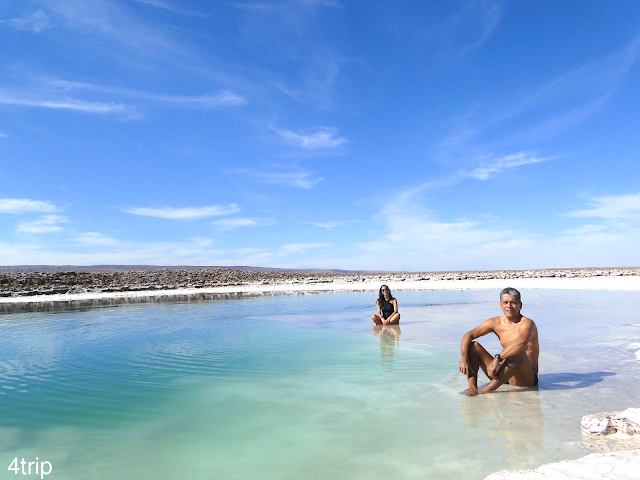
column 528, row 321
column 493, row 322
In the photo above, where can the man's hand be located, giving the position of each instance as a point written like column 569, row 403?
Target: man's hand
column 464, row 365
column 492, row 369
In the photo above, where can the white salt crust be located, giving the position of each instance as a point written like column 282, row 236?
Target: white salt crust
column 597, row 466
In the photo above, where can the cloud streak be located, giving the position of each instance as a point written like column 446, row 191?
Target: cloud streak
column 45, row 224
column 188, row 213
column 488, row 169
column 63, row 104
column 557, row 106
column 324, row 138
column 25, row 205
column 297, row 248
column 292, row 179
column 233, row 223
column 35, row 22
column 619, row 207
column 95, row 239
column 331, row 225
column 224, row 98
column 171, row 8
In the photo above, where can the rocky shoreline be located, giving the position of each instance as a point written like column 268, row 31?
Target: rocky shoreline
column 42, row 283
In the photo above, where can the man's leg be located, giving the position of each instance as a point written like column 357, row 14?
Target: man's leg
column 478, row 358
column 516, row 370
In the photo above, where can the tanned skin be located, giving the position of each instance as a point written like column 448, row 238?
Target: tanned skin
column 520, row 350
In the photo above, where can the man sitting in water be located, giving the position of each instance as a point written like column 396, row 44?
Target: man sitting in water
column 517, row 363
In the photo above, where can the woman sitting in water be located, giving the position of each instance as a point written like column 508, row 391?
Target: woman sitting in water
column 387, row 308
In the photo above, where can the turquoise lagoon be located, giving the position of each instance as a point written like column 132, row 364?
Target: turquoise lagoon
column 301, row 386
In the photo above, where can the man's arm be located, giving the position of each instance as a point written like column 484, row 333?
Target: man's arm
column 481, row 330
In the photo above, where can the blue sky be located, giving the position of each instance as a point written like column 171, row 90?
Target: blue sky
column 332, row 134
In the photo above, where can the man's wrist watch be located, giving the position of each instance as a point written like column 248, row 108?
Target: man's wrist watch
column 500, row 360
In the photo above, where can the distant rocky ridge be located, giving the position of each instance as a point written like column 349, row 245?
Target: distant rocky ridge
column 48, row 280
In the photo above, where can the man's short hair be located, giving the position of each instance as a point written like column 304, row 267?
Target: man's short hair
column 510, row 291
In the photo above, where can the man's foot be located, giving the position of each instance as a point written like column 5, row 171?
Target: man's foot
column 471, row 392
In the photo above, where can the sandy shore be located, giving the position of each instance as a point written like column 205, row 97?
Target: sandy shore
column 338, row 284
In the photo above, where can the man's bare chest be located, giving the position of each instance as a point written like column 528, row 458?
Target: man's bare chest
column 507, row 332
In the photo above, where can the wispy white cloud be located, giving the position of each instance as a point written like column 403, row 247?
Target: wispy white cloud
column 293, row 179
column 109, row 19
column 25, row 205
column 172, row 8
column 296, row 248
column 479, row 17
column 415, row 238
column 233, row 223
column 63, row 104
column 559, row 105
column 188, row 213
column 593, row 79
column 64, row 95
column 35, row 22
column 91, row 248
column 95, row 239
column 226, row 98
column 283, row 7
column 46, row 224
column 417, row 242
column 324, row 138
column 331, row 225
column 495, row 166
column 584, row 230
column 223, row 98
column 621, row 207
column 488, row 168
column 196, row 251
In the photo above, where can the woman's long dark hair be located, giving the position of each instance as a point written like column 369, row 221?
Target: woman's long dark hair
column 381, row 298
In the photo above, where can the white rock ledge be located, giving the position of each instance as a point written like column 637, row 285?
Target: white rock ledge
column 617, row 423
column 597, row 466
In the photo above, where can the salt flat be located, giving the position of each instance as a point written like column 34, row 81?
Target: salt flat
column 628, row 283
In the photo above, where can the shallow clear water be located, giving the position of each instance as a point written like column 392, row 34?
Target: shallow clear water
column 299, row 386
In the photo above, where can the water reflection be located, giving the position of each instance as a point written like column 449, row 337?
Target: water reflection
column 388, row 340
column 515, row 415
